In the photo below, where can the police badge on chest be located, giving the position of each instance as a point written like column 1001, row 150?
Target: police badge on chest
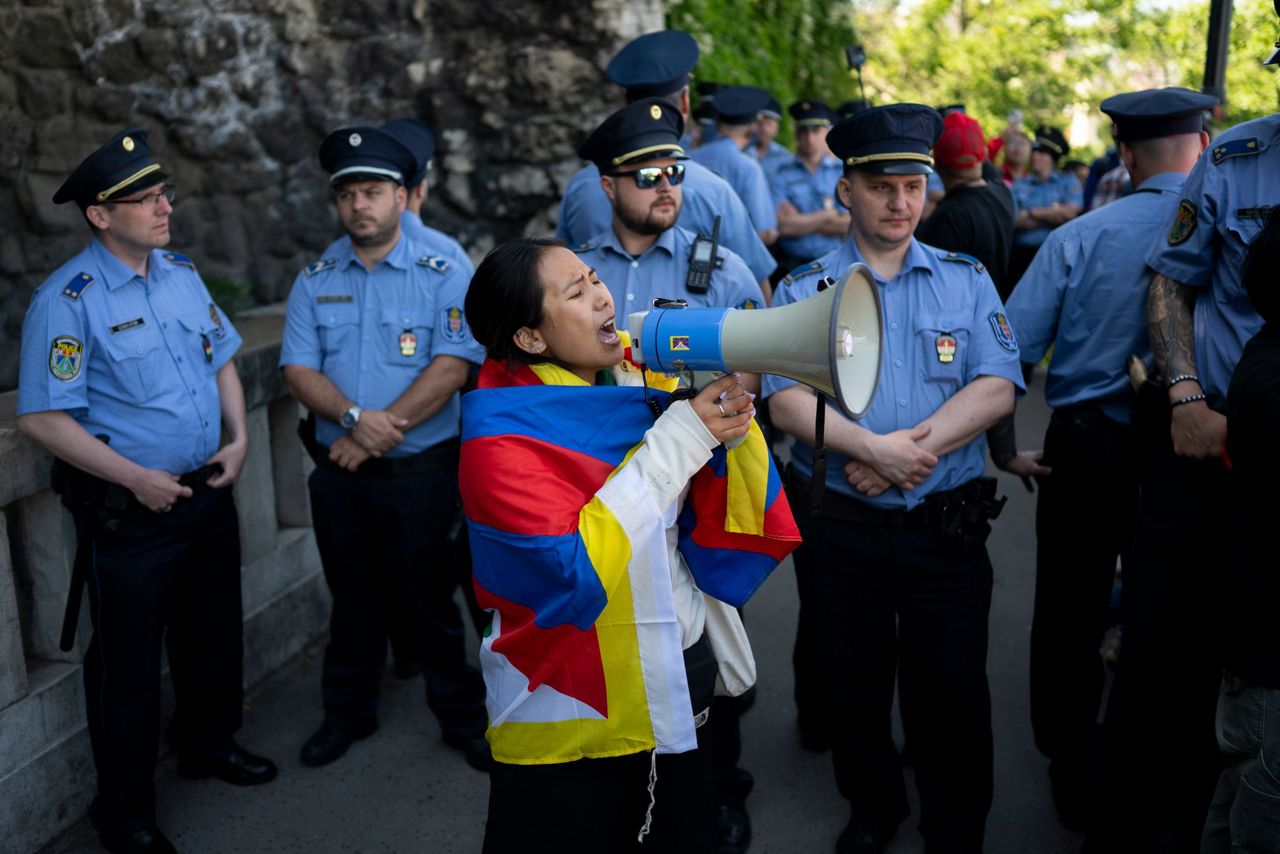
column 408, row 343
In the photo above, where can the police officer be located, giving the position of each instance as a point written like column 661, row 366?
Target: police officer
column 737, row 109
column 376, row 346
column 1199, row 318
column 893, row 574
column 1085, row 294
column 1045, row 198
column 769, row 153
column 810, row 223
column 658, row 65
column 645, row 256
column 127, row 378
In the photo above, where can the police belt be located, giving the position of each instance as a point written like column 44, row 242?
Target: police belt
column 973, row 502
column 440, row 456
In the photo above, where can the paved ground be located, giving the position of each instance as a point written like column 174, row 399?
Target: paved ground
column 402, row 790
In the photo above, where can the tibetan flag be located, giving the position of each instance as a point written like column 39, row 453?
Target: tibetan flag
column 583, row 656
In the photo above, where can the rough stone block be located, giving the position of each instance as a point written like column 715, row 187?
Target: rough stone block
column 13, row 665
column 285, row 626
column 255, row 492
column 291, row 465
column 293, row 559
column 44, row 41
column 52, row 710
column 47, row 544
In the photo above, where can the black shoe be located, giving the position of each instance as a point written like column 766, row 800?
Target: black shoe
column 734, row 827
column 857, row 838
column 474, row 748
column 149, row 840
column 236, row 766
column 330, row 742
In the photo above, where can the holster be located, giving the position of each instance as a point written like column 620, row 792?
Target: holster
column 962, row 515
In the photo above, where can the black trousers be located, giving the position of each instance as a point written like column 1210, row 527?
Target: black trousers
column 888, row 602
column 1084, row 522
column 171, row 578
column 597, row 806
column 384, row 539
column 1160, row 760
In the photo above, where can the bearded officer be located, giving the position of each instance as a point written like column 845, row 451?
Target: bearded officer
column 893, row 575
column 127, row 378
column 376, row 346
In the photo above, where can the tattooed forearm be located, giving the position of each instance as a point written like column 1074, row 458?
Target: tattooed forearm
column 1171, row 326
column 1002, row 442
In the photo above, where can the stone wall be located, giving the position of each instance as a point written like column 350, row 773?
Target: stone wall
column 238, row 94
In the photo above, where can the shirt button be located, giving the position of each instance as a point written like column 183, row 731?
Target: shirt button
column 902, row 402
column 333, row 319
column 631, row 296
column 635, row 264
column 893, row 326
column 898, row 362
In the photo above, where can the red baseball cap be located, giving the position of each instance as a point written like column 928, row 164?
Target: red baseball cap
column 961, row 144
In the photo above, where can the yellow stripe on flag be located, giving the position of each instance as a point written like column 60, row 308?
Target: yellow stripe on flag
column 748, row 487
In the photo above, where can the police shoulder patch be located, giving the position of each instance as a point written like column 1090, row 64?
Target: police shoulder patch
column 1184, row 223
column 1003, row 331
column 750, row 303
column 800, row 272
column 179, row 259
column 72, row 289
column 320, row 266
column 962, row 258
column 453, row 324
column 1236, row 148
column 435, row 262
column 65, row 356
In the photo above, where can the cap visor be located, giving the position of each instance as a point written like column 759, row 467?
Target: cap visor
column 896, row 167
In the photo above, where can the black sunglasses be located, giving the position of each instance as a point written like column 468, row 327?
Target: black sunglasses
column 648, row 177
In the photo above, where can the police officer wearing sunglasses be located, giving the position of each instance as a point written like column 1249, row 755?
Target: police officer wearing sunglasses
column 644, row 255
column 127, row 378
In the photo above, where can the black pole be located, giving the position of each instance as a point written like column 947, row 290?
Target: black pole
column 1215, row 58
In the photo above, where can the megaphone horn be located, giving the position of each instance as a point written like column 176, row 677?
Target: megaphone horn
column 830, row 342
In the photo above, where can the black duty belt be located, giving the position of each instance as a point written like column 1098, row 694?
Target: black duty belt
column 436, row 458
column 973, row 501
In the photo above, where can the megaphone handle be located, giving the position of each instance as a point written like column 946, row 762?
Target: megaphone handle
column 819, row 484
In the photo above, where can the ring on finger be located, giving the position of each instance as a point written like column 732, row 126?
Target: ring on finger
column 721, row 408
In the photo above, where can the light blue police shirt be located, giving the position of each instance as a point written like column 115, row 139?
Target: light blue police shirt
column 585, row 212
column 775, row 156
column 130, row 357
column 809, row 193
column 1030, row 192
column 372, row 333
column 740, row 169
column 635, row 282
column 1225, row 203
column 1087, row 290
column 439, row 243
column 943, row 327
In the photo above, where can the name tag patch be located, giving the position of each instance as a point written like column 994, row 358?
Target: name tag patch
column 127, row 325
column 330, row 299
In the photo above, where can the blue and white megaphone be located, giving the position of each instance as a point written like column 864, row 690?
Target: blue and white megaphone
column 830, row 342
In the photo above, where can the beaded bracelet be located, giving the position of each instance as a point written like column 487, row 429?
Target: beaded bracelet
column 1180, row 377
column 1191, row 398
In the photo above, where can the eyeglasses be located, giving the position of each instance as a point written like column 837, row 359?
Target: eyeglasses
column 648, row 177
column 151, row 200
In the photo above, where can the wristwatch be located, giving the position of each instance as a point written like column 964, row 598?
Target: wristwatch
column 349, row 419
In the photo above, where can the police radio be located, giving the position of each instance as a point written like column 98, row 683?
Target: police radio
column 702, row 260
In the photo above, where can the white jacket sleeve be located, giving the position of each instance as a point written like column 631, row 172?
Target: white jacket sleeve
column 674, row 449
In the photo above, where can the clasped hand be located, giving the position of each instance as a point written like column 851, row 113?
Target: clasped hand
column 896, row 459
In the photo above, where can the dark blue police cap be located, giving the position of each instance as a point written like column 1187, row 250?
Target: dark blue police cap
column 1050, row 140
column 123, row 165
column 705, row 113
column 894, row 139
column 740, row 105
column 419, row 139
column 648, row 129
column 708, row 89
column 654, row 64
column 1157, row 112
column 772, row 110
column 812, row 114
column 366, row 154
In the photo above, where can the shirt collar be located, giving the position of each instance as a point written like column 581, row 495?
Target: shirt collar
column 398, row 258
column 115, row 272
column 666, row 241
column 917, row 258
column 1165, row 181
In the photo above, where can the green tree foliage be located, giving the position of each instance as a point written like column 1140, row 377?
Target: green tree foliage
column 793, row 48
column 1047, row 58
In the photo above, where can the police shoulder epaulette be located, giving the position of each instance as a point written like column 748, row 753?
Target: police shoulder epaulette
column 75, row 287
column 1236, row 148
column 801, row 271
column 435, row 262
column 320, row 266
column 964, row 259
column 178, row 258
column 585, row 246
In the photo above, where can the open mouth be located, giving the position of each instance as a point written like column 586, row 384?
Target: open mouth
column 608, row 333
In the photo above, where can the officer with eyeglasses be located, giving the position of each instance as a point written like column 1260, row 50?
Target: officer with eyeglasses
column 127, row 378
column 644, row 255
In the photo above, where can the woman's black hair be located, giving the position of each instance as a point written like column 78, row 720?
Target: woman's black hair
column 506, row 294
column 1261, row 269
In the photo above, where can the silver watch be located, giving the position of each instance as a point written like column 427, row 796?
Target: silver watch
column 349, row 419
